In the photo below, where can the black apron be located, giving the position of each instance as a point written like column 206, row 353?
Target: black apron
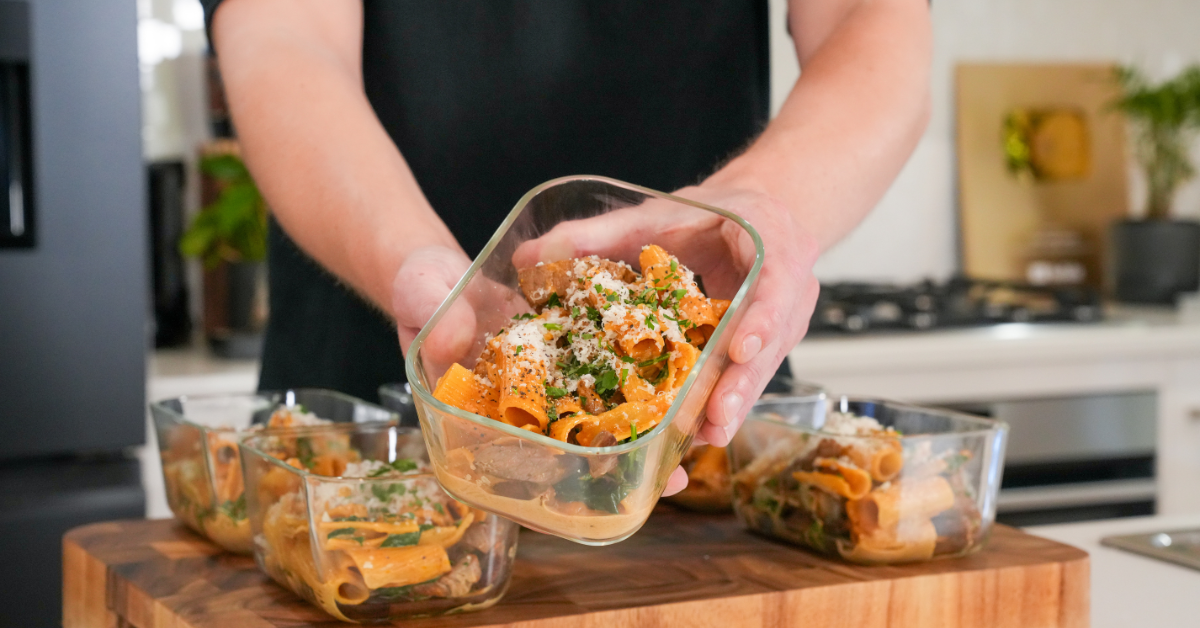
column 488, row 98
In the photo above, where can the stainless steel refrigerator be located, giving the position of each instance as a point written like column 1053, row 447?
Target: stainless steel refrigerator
column 73, row 286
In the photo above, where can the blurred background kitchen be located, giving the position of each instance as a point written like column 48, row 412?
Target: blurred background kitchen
column 1036, row 261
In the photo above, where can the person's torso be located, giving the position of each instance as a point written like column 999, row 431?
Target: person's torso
column 488, row 98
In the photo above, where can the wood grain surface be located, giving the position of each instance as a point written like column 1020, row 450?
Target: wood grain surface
column 681, row 569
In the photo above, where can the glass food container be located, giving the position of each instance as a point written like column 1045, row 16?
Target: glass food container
column 709, row 486
column 867, row 481
column 398, row 398
column 594, row 496
column 198, row 439
column 375, row 539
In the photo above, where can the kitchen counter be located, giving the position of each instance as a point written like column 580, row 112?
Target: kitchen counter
column 681, row 569
column 1130, row 590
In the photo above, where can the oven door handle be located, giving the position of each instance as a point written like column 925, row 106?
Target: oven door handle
column 1076, row 494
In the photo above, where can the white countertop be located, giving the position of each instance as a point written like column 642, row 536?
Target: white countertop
column 1130, row 590
column 1127, row 331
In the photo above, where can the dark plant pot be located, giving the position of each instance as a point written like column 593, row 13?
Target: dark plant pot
column 1155, row 260
column 233, row 323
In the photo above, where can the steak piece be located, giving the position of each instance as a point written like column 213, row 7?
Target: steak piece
column 457, row 583
column 599, row 466
column 514, row 459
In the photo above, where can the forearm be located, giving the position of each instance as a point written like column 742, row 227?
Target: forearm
column 331, row 175
column 850, row 122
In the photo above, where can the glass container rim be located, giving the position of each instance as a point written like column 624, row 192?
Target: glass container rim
column 426, row 396
column 984, row 426
column 161, row 405
column 246, row 446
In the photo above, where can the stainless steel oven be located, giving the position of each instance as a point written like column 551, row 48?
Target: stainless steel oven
column 1076, row 458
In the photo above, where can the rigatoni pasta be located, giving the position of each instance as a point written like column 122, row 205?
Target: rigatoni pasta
column 218, row 510
column 852, row 490
column 377, row 540
column 598, row 362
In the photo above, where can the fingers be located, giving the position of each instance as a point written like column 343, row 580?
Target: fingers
column 617, row 235
column 677, row 482
column 420, row 286
column 782, row 302
column 739, row 387
column 774, row 321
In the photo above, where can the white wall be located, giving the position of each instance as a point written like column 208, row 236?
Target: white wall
column 911, row 234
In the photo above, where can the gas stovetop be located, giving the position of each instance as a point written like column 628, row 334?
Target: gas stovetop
column 960, row 302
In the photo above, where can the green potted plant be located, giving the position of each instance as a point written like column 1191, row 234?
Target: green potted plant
column 1158, row 258
column 229, row 235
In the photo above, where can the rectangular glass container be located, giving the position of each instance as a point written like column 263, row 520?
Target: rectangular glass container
column 709, row 486
column 385, row 546
column 926, row 490
column 594, row 496
column 198, row 439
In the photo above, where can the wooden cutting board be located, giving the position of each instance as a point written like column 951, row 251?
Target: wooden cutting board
column 681, row 569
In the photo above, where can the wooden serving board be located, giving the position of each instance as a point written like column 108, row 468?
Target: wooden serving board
column 681, row 569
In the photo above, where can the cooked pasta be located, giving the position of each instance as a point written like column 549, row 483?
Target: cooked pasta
column 606, row 350
column 217, row 509
column 852, row 490
column 394, row 541
column 598, row 362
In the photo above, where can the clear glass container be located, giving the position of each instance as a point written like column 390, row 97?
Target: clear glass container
column 383, row 545
column 398, row 398
column 709, row 486
column 198, row 439
column 594, row 496
column 808, row 475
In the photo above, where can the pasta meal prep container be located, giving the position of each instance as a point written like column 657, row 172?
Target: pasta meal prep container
column 803, row 473
column 594, row 496
column 709, row 486
column 383, row 545
column 198, row 440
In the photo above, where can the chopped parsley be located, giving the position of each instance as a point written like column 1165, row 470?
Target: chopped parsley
column 552, row 326
column 402, row 540
column 594, row 315
column 679, row 294
column 304, row 451
column 385, row 492
column 524, row 317
column 553, row 301
column 661, row 376
column 235, row 508
column 606, row 383
column 341, row 532
column 554, row 392
column 574, row 312
column 653, row 361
